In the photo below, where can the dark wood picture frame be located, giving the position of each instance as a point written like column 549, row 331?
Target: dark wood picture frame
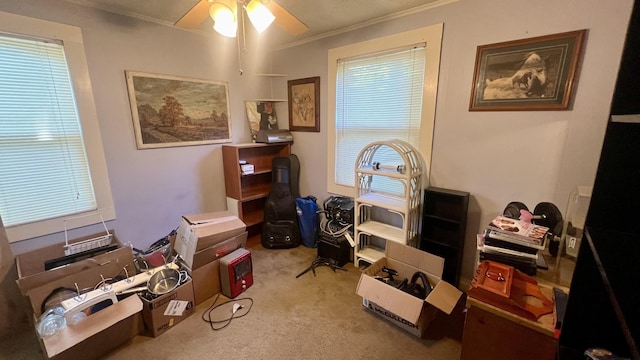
column 304, row 104
column 537, row 73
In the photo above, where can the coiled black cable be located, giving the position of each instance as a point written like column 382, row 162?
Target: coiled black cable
column 243, row 310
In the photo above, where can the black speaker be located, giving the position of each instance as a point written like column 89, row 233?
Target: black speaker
column 334, row 248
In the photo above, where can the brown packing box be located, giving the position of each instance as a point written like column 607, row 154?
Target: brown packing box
column 206, row 278
column 217, row 251
column 206, row 281
column 162, row 313
column 405, row 310
column 30, row 265
column 100, row 332
column 201, row 231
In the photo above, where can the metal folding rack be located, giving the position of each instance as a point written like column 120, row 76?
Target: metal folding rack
column 89, row 244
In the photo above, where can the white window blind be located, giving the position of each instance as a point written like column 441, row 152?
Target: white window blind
column 379, row 82
column 378, row 97
column 45, row 173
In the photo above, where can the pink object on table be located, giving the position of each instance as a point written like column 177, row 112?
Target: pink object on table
column 526, row 216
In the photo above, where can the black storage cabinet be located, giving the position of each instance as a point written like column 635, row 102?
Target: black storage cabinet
column 603, row 310
column 444, row 223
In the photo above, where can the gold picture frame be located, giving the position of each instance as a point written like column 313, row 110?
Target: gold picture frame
column 177, row 111
column 537, row 73
column 304, row 104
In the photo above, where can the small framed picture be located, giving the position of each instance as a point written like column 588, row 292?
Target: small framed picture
column 304, row 104
column 530, row 74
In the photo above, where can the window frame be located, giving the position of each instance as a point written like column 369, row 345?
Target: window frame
column 432, row 36
column 71, row 37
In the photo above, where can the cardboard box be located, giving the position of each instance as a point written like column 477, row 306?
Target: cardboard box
column 246, row 169
column 206, row 278
column 100, row 332
column 206, row 281
column 200, row 231
column 162, row 313
column 217, row 251
column 405, row 310
column 30, row 265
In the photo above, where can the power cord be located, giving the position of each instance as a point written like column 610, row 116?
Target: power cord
column 236, row 308
column 332, row 227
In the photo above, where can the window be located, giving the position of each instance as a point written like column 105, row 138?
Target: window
column 46, row 120
column 379, row 90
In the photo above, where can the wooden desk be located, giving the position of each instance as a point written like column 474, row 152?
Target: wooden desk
column 495, row 334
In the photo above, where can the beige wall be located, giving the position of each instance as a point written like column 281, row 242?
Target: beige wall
column 152, row 188
column 499, row 157
column 547, row 152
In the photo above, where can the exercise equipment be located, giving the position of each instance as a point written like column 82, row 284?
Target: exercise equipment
column 512, row 210
column 544, row 214
column 547, row 214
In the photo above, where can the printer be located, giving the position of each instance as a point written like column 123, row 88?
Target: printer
column 274, row 136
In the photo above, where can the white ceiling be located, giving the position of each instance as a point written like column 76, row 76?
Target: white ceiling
column 323, row 17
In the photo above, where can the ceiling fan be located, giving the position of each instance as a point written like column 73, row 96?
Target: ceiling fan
column 225, row 14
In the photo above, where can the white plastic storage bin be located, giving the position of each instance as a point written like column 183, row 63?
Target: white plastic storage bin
column 577, row 208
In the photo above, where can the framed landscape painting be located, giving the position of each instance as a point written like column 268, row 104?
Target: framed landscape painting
column 530, row 74
column 175, row 111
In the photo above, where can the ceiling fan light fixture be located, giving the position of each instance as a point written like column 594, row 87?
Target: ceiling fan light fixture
column 259, row 15
column 224, row 19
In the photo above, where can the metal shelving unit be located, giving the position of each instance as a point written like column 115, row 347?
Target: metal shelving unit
column 382, row 214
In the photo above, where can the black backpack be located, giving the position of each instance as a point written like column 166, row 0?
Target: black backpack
column 280, row 228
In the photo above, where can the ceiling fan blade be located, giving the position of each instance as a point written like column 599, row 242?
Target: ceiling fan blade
column 194, row 17
column 285, row 19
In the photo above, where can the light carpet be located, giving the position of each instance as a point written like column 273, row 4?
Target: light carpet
column 310, row 317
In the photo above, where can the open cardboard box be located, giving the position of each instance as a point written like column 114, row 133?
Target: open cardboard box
column 98, row 334
column 30, row 265
column 101, row 331
column 206, row 277
column 167, row 310
column 200, row 231
column 403, row 309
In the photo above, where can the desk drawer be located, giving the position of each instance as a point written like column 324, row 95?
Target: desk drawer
column 493, row 337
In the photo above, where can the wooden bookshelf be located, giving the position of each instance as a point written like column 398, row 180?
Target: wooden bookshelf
column 247, row 193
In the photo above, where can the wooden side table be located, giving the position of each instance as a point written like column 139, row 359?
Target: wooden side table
column 495, row 334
